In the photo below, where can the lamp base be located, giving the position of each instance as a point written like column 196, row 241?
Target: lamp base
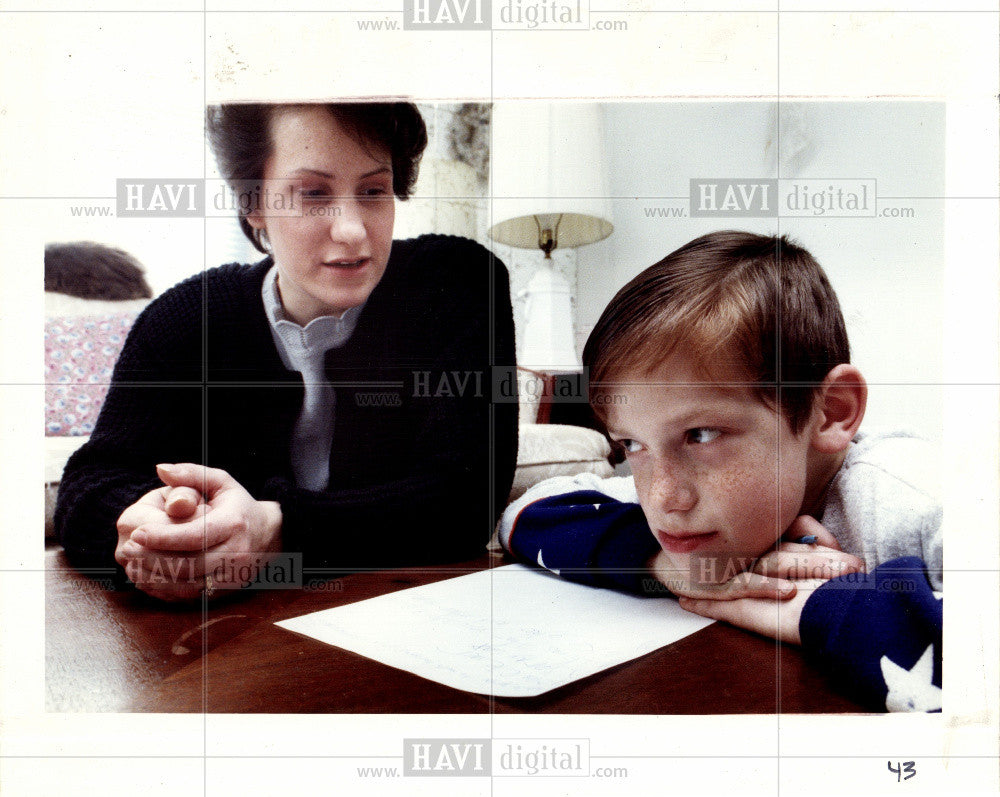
column 548, row 343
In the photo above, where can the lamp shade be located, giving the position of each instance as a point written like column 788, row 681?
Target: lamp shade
column 548, row 165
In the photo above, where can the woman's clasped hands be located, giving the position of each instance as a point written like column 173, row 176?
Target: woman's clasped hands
column 200, row 533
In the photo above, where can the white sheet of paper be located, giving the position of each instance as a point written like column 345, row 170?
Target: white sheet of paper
column 511, row 632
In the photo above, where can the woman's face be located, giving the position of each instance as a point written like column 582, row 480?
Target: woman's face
column 328, row 214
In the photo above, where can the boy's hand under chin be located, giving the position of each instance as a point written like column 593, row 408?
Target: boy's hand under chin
column 773, row 575
column 789, row 574
column 776, row 619
column 821, row 559
column 743, row 585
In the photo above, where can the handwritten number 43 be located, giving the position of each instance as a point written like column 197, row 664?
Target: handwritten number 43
column 907, row 768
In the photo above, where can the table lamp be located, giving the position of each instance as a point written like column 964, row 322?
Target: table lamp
column 548, row 187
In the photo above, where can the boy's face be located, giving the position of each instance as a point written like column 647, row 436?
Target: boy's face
column 720, row 476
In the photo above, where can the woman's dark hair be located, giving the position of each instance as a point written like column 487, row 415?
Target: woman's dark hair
column 240, row 137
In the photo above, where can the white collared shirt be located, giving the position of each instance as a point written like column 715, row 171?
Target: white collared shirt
column 304, row 349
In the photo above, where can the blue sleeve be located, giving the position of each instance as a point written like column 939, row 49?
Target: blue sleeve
column 878, row 636
column 590, row 538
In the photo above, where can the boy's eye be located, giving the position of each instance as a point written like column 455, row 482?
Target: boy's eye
column 702, row 434
column 630, row 446
column 377, row 191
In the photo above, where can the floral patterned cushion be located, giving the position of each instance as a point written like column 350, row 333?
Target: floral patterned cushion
column 80, row 354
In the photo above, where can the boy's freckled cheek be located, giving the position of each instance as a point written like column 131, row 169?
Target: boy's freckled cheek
column 642, row 489
column 749, row 495
column 741, row 485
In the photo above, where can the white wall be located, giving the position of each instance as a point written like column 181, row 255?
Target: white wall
column 888, row 272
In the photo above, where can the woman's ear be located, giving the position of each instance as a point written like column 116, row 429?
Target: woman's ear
column 257, row 223
column 841, row 403
column 256, row 219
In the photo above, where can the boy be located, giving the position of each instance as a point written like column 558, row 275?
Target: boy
column 724, row 372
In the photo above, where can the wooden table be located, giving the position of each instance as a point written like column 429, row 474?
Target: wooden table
column 121, row 651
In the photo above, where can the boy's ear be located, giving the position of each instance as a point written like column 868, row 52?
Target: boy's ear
column 841, row 403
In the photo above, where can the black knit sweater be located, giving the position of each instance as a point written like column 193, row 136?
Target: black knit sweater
column 422, row 459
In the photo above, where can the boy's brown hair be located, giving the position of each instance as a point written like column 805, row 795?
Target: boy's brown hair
column 740, row 303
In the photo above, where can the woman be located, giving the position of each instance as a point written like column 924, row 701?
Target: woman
column 332, row 400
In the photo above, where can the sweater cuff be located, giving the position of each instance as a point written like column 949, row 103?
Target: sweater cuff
column 624, row 558
column 588, row 538
column 92, row 541
column 878, row 635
